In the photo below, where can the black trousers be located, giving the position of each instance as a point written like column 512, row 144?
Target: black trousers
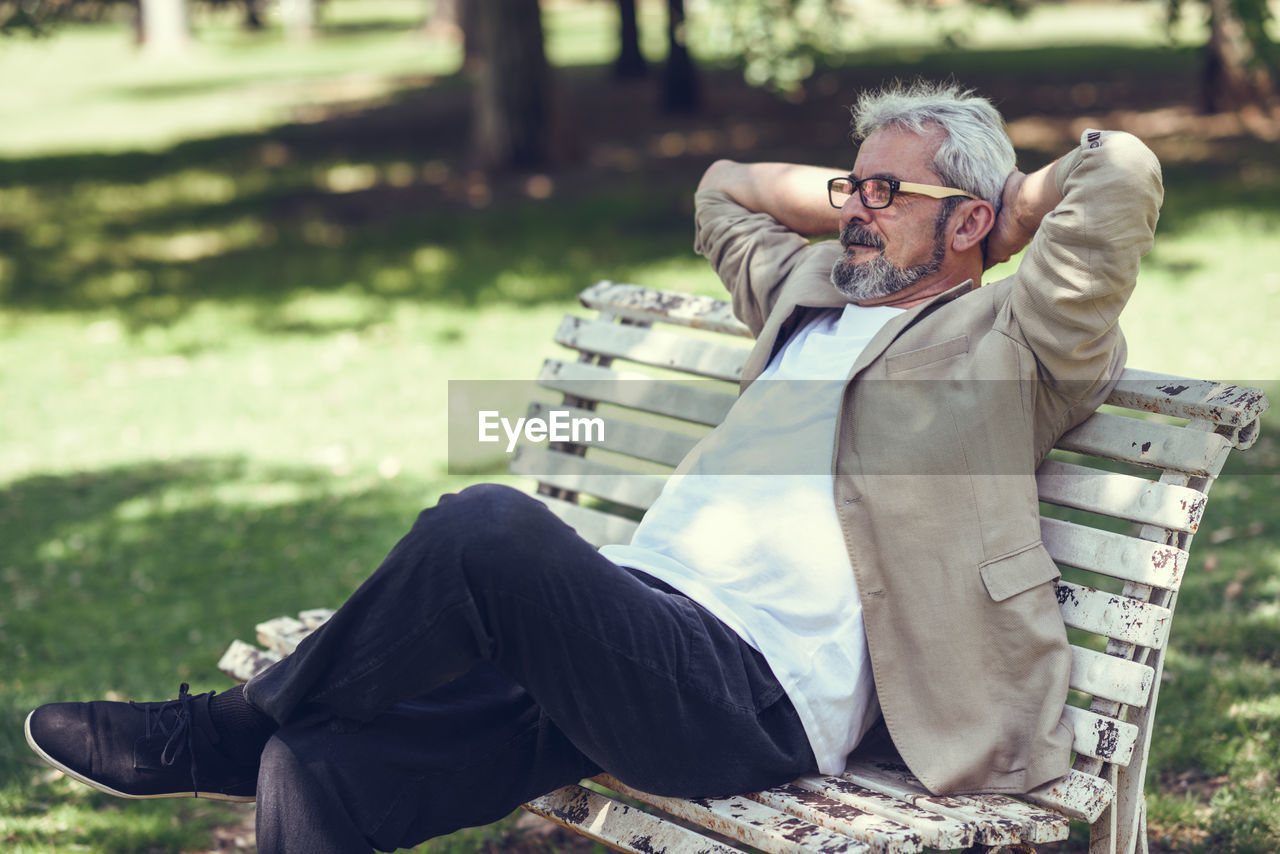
column 495, row 656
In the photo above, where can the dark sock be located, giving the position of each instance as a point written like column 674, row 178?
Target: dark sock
column 244, row 728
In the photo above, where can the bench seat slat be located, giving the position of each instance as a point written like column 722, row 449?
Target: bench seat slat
column 1114, row 616
column 1120, row 680
column 887, row 836
column 1136, row 499
column 579, row 474
column 697, row 404
column 748, row 821
column 645, row 305
column 620, row 826
column 1147, row 443
column 1116, row 555
column 935, row 831
column 1101, row 737
column 282, row 634
column 315, row 617
column 639, row 441
column 592, row 525
column 1076, row 795
column 1038, row 825
column 895, row 780
column 648, row 346
column 243, row 661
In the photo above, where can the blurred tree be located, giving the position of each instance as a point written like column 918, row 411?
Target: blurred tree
column 448, row 19
column 298, row 18
column 780, row 41
column 512, row 82
column 630, row 62
column 1240, row 59
column 164, row 26
column 253, row 15
column 680, row 91
column 1240, row 62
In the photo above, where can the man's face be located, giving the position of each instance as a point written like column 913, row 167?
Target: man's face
column 889, row 249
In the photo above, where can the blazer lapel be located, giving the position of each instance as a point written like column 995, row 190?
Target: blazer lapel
column 820, row 295
column 899, row 324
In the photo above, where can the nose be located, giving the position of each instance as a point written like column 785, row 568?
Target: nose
column 854, row 210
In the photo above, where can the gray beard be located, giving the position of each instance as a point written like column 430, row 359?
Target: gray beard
column 880, row 277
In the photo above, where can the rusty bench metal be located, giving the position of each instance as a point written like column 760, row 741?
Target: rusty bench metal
column 1137, row 474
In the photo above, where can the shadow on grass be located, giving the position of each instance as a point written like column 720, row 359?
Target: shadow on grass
column 133, row 579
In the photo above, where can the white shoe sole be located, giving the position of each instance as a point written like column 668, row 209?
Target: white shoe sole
column 94, row 784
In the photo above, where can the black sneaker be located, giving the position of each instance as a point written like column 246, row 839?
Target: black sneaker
column 142, row 750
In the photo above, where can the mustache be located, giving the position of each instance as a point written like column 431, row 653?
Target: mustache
column 855, row 234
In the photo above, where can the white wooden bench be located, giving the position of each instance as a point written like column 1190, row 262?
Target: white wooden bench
column 1152, row 473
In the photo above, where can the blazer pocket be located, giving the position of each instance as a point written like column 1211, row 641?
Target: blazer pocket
column 918, row 358
column 1018, row 571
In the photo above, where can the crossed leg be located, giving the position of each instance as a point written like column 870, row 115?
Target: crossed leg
column 494, row 656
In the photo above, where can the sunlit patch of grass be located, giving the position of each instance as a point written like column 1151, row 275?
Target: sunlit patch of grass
column 80, row 823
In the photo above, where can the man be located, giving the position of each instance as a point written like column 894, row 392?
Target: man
column 885, row 562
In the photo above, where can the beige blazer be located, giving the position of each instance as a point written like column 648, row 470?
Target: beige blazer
column 945, row 417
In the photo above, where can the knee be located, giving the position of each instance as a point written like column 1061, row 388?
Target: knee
column 487, row 512
column 487, row 500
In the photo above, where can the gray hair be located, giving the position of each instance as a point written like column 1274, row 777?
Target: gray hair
column 976, row 155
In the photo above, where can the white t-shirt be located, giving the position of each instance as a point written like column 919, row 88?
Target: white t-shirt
column 747, row 528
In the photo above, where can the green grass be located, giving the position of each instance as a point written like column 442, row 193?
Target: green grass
column 233, row 290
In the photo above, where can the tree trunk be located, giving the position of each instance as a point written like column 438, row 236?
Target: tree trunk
column 630, row 63
column 445, row 14
column 253, row 15
column 680, row 78
column 511, row 84
column 299, row 19
column 1233, row 78
column 165, row 27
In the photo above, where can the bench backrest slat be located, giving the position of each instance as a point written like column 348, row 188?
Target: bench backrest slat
column 1148, row 443
column 1101, row 737
column 1117, row 555
column 625, row 436
column 579, row 474
column 695, row 403
column 645, row 345
column 592, row 525
column 1113, row 616
column 642, row 305
column 1225, row 404
column 1135, row 499
column 1100, row 675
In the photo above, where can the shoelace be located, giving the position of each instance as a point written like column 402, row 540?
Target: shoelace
column 177, row 728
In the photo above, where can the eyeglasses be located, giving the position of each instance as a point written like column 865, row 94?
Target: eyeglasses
column 878, row 193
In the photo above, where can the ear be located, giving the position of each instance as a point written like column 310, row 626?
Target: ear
column 971, row 223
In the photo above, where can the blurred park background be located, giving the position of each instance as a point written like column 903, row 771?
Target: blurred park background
column 245, row 246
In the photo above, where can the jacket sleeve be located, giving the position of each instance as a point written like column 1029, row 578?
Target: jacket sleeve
column 1082, row 264
column 752, row 253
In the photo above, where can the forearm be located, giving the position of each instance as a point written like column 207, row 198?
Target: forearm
column 1037, row 195
column 793, row 194
column 1025, row 202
